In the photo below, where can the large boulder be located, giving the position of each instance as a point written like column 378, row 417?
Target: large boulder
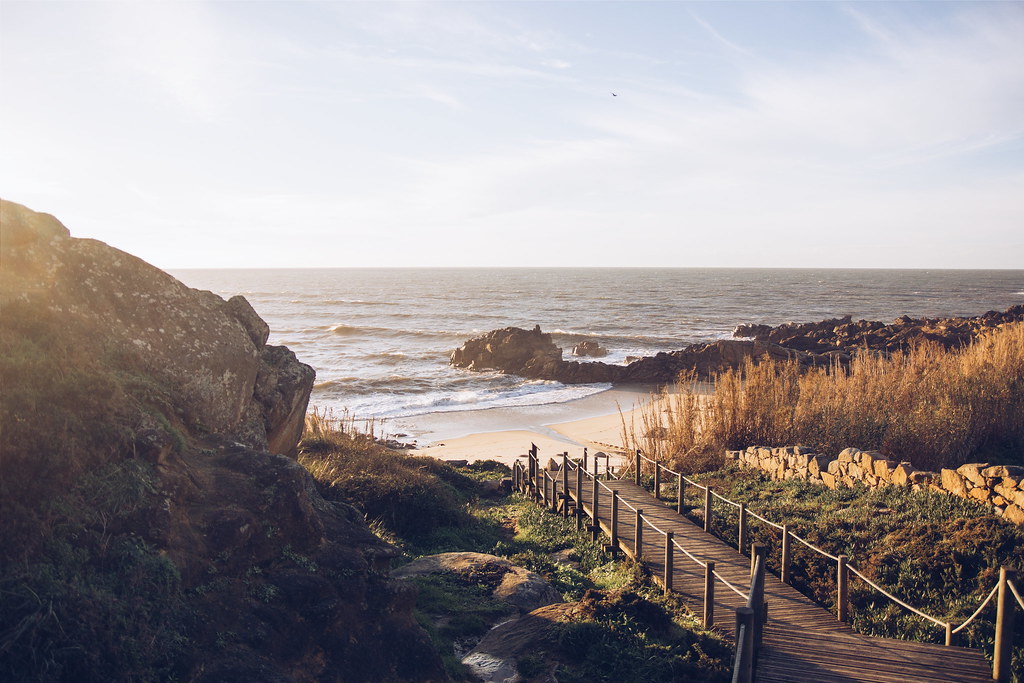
column 511, row 350
column 208, row 352
column 519, row 587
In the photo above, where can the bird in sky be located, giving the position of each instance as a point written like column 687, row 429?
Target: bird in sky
column 614, row 95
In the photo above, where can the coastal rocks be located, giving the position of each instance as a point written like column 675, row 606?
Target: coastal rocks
column 589, row 348
column 844, row 336
column 532, row 354
column 512, row 350
column 1001, row 486
column 210, row 354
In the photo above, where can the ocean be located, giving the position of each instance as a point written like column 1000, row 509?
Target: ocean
column 380, row 339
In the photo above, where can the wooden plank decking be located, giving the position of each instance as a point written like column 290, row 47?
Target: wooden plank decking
column 802, row 641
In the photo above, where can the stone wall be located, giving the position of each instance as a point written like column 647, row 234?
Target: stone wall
column 1000, row 486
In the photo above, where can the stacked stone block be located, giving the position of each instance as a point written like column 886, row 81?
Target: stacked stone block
column 1000, row 486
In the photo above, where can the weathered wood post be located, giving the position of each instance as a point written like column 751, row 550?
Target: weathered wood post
column 637, row 473
column 533, row 472
column 743, row 672
column 759, row 553
column 1003, row 654
column 584, row 458
column 579, row 494
column 565, row 484
column 615, row 520
column 950, row 636
column 657, row 481
column 842, row 590
column 638, row 537
column 785, row 573
column 709, row 594
column 707, row 508
column 741, row 542
column 669, row 564
column 596, row 533
column 679, row 493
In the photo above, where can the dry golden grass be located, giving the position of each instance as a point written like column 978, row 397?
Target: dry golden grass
column 929, row 406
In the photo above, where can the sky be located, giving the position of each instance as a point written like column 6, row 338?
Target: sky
column 521, row 133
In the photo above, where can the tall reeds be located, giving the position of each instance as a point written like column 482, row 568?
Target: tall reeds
column 929, row 406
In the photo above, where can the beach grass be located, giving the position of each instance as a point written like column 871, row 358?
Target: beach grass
column 927, row 405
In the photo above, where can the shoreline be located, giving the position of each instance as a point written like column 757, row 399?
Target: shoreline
column 503, row 434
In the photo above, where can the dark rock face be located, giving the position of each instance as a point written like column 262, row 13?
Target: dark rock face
column 207, row 351
column 276, row 582
column 846, row 336
column 533, row 354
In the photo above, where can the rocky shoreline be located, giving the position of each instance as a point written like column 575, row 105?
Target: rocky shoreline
column 534, row 355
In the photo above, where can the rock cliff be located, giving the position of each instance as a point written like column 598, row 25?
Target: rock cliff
column 155, row 521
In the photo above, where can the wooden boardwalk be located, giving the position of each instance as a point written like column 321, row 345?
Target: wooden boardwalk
column 802, row 641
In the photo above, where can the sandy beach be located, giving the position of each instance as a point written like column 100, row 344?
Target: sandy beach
column 503, row 434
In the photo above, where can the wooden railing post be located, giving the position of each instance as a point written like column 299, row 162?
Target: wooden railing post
column 679, row 493
column 596, row 534
column 565, row 485
column 741, row 542
column 707, row 509
column 950, row 636
column 743, row 668
column 669, row 565
column 785, row 572
column 579, row 494
column 1003, row 653
column 638, row 537
column 756, row 601
column 534, row 493
column 709, row 594
column 842, row 590
column 657, row 481
column 615, row 520
column 637, row 473
column 584, row 458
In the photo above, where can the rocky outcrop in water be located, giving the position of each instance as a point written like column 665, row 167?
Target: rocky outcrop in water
column 845, row 336
column 145, row 477
column 532, row 354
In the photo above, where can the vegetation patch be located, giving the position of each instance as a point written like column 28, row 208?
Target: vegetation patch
column 929, row 406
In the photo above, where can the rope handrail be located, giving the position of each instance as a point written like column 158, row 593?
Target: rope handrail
column 691, row 482
column 724, row 499
column 688, row 553
column 977, row 611
column 937, row 622
column 813, row 547
column 734, row 589
column 1013, row 589
column 766, row 521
